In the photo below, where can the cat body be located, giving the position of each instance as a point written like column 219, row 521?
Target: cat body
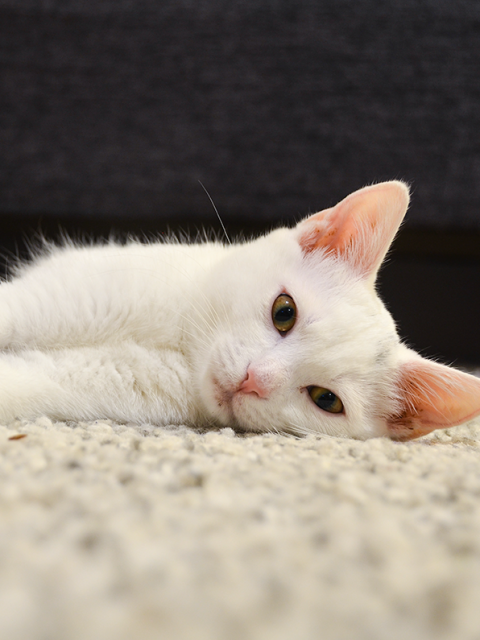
column 283, row 333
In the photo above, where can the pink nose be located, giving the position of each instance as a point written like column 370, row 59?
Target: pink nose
column 251, row 384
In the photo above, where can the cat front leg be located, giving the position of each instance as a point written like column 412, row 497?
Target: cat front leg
column 125, row 382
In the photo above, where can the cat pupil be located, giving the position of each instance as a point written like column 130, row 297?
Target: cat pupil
column 327, row 399
column 285, row 314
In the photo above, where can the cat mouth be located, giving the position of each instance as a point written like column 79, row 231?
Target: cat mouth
column 223, row 397
column 226, row 398
column 235, row 408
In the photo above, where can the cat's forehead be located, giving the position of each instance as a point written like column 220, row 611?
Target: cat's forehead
column 344, row 322
column 345, row 325
column 330, row 292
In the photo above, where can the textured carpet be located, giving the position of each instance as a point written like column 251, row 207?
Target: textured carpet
column 110, row 531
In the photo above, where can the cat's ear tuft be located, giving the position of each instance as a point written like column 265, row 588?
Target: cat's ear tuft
column 360, row 228
column 432, row 396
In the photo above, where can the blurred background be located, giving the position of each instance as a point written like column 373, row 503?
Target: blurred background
column 112, row 111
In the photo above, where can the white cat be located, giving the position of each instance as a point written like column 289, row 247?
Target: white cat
column 285, row 333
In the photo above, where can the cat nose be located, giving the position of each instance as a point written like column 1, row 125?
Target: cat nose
column 251, row 384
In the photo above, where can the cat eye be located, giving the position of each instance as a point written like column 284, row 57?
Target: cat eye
column 326, row 399
column 284, row 313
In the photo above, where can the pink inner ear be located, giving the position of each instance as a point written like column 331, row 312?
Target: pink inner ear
column 360, row 228
column 433, row 396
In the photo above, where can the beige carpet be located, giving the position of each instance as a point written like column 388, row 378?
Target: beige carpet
column 118, row 532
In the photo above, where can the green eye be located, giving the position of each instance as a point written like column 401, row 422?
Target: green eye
column 325, row 399
column 284, row 313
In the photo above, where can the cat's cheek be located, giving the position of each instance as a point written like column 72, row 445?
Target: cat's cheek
column 351, row 423
column 374, row 427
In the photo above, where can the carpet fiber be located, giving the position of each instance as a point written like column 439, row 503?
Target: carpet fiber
column 114, row 531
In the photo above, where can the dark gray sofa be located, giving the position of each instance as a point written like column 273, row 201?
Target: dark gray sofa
column 112, row 111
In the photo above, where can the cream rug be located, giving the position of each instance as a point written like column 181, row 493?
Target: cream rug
column 118, row 532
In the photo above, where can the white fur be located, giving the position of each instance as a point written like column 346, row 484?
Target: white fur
column 164, row 333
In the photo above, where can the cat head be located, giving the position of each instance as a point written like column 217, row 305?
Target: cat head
column 300, row 341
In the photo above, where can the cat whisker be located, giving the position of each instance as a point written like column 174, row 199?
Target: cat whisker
column 305, row 431
column 193, row 323
column 196, row 337
column 299, row 431
column 216, row 211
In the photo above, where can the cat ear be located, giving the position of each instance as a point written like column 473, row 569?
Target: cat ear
column 432, row 396
column 360, row 228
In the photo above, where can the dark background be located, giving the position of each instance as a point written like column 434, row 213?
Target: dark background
column 111, row 111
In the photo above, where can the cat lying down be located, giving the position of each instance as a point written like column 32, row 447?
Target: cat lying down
column 284, row 333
